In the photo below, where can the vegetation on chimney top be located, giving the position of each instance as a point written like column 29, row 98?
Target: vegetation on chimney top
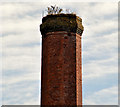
column 61, row 22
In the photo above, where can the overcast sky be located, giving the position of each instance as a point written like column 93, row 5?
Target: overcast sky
column 21, row 51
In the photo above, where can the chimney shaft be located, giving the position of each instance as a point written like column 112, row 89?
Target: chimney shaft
column 61, row 76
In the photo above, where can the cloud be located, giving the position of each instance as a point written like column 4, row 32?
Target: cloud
column 21, row 53
column 61, row 1
column 106, row 96
column 17, row 40
column 13, row 10
column 20, row 25
column 28, row 77
column 96, row 70
column 101, row 44
column 25, row 59
column 22, row 92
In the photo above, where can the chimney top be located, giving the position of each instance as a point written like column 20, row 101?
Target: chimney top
column 61, row 22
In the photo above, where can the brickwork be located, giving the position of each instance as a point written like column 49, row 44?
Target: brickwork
column 61, row 78
column 78, row 69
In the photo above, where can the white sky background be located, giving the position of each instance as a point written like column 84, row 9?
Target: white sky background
column 21, row 51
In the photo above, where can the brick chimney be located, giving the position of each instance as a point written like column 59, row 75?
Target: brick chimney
column 61, row 75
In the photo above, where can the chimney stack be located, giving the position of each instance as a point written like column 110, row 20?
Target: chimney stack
column 61, row 74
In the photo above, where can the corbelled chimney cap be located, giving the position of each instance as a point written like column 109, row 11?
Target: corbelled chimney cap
column 61, row 22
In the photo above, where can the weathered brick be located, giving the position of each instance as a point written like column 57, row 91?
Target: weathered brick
column 61, row 78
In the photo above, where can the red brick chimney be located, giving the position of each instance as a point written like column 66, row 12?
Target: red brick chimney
column 61, row 76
